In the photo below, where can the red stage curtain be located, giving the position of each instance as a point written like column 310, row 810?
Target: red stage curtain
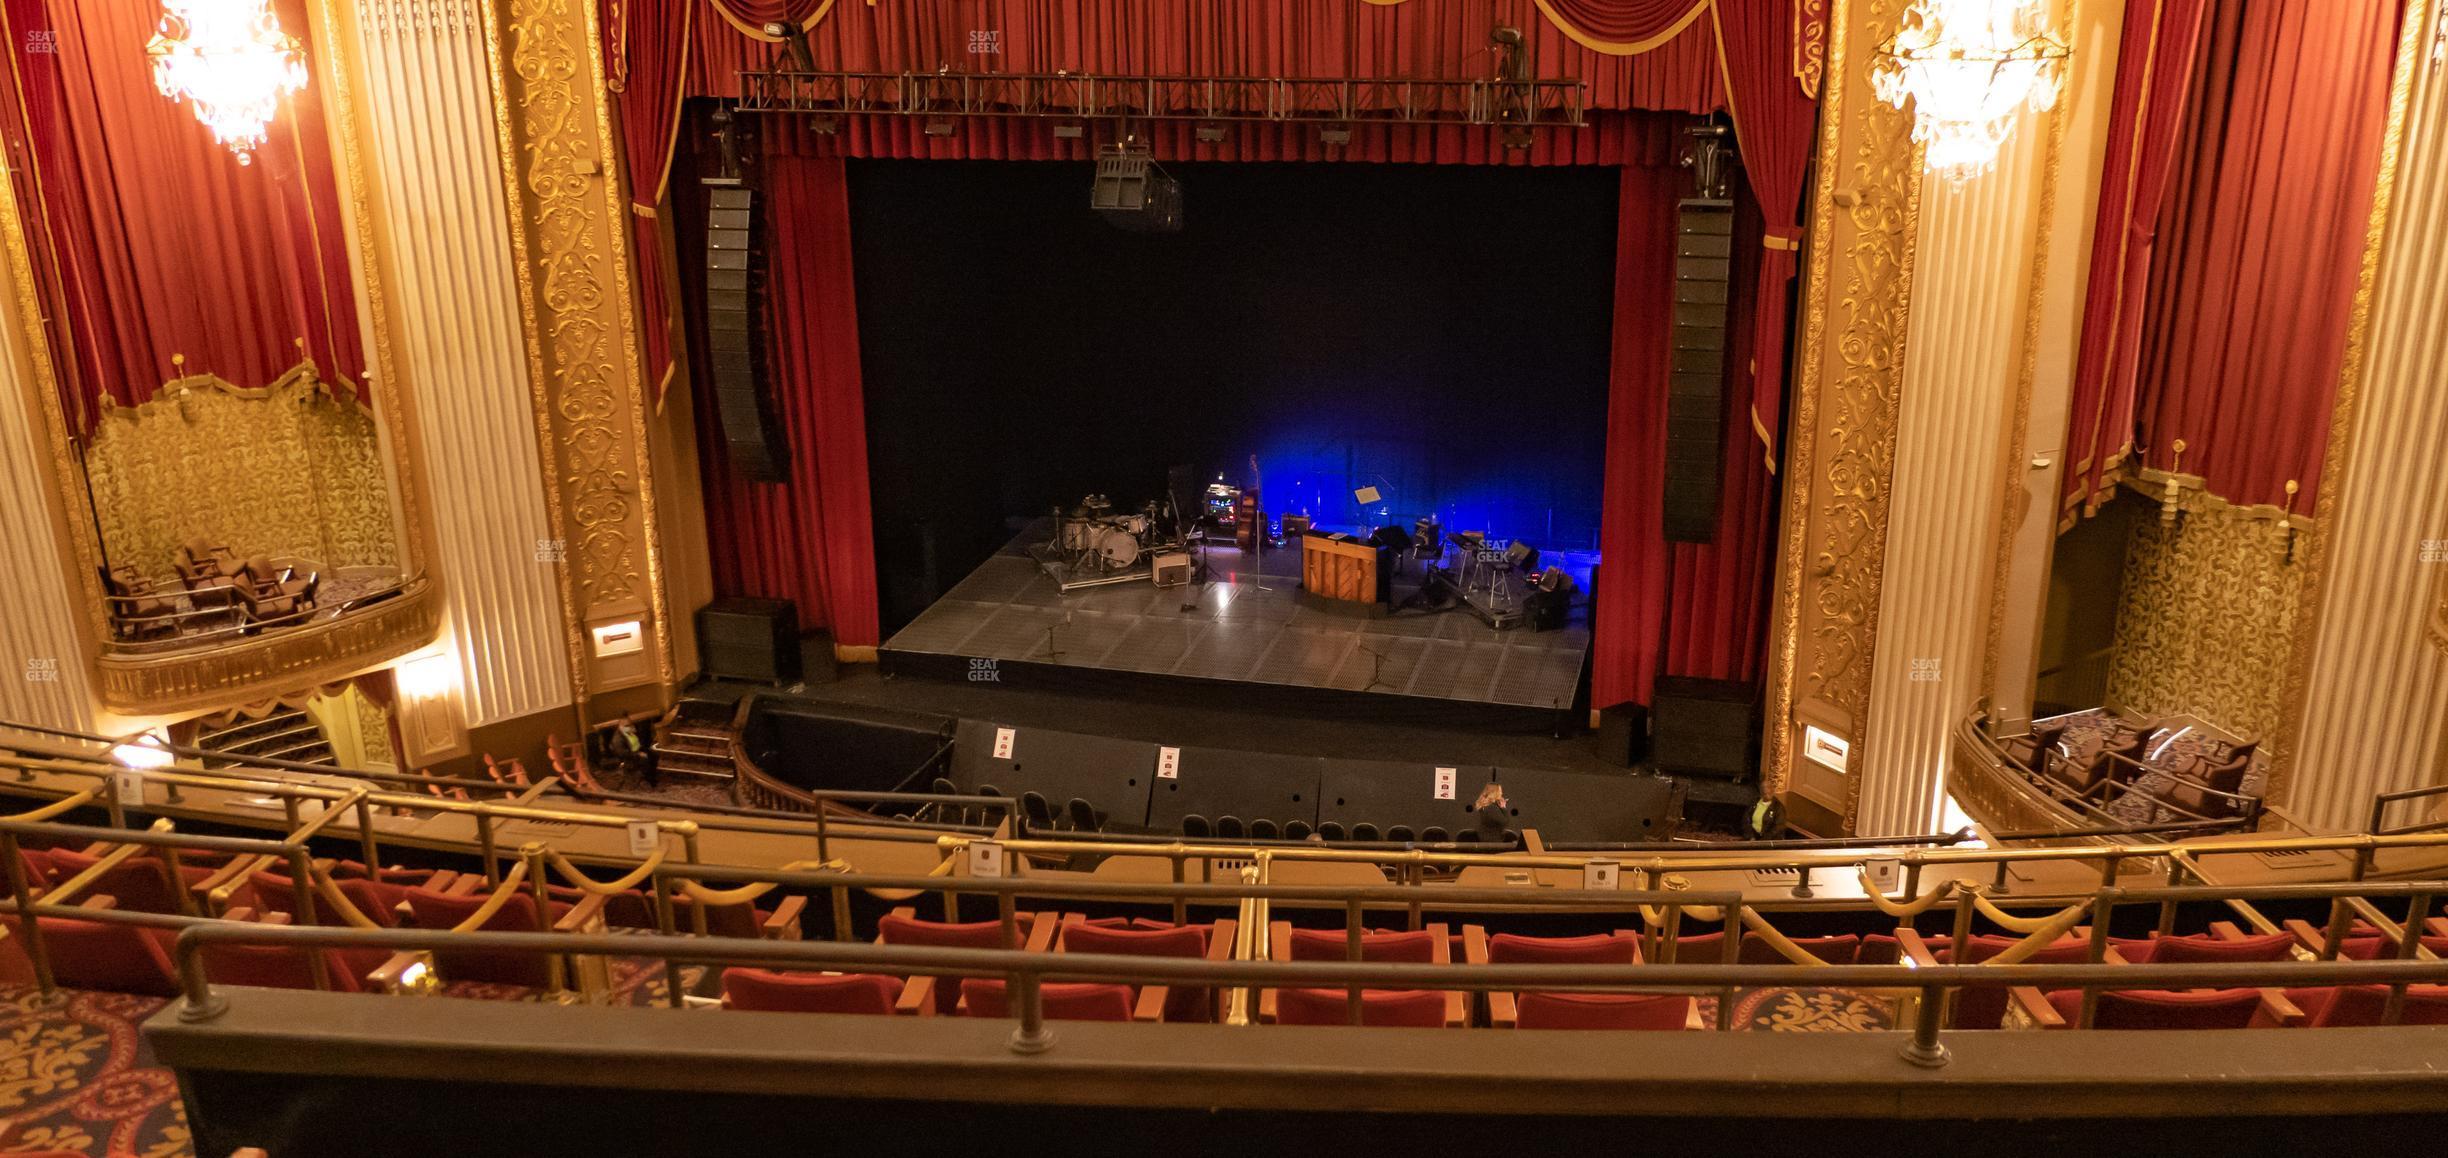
column 1248, row 38
column 808, row 539
column 646, row 47
column 1629, row 590
column 756, row 14
column 1775, row 125
column 156, row 240
column 1623, row 27
column 2154, row 77
column 2261, row 243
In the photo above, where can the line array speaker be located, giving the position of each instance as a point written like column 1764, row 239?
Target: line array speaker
column 1695, row 406
column 1132, row 193
column 735, row 333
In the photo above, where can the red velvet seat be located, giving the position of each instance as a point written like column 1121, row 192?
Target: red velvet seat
column 141, row 883
column 2199, row 950
column 1416, row 947
column 1617, row 948
column 1604, row 1011
column 1061, row 1000
column 112, row 958
column 2345, row 1005
column 898, row 928
column 1150, row 939
column 1397, row 1007
column 277, row 967
column 1984, row 1006
column 777, row 992
column 2162, row 1008
column 1709, row 949
column 739, row 919
column 2376, row 948
column 439, row 910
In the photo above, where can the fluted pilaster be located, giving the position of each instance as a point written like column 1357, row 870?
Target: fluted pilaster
column 426, row 92
column 43, row 674
column 2374, row 689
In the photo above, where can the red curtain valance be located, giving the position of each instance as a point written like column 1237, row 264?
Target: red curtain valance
column 150, row 239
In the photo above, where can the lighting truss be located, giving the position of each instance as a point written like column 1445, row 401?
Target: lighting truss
column 1074, row 96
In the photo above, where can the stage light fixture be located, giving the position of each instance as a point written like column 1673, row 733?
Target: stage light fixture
column 1335, row 134
column 1211, row 133
column 1517, row 138
column 939, row 126
column 824, row 126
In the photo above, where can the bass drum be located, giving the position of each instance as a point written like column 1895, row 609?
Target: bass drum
column 1116, row 548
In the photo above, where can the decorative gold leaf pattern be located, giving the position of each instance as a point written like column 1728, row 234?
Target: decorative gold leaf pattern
column 2206, row 622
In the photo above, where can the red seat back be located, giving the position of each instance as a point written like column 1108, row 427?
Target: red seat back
column 2375, row 948
column 1181, row 1003
column 1604, row 1011
column 1595, row 949
column 1984, row 1006
column 2163, row 1008
column 1709, row 949
column 2368, row 1005
column 1411, row 1007
column 738, row 919
column 379, row 902
column 765, row 989
column 436, row 910
column 1417, row 947
column 2201, row 950
column 108, row 957
column 275, row 967
column 141, row 883
column 900, row 930
column 1061, row 1000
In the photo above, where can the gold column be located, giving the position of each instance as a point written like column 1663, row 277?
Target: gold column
column 1858, row 280
column 45, row 674
column 2371, row 689
column 569, row 246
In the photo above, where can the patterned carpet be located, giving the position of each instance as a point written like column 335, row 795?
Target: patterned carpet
column 79, row 1078
column 1807, row 1011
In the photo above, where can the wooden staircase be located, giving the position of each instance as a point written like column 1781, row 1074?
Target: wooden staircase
column 693, row 740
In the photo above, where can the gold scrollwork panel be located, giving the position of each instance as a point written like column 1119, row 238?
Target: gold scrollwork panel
column 293, row 468
column 2206, row 623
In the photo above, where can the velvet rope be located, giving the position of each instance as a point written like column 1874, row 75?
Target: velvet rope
column 2015, row 924
column 56, row 807
column 749, row 892
column 1912, row 908
column 569, row 872
column 329, row 890
column 493, row 904
column 2049, row 930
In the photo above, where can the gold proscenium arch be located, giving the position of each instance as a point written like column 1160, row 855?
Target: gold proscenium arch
column 162, row 684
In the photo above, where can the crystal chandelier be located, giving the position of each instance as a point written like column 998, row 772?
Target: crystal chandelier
column 230, row 61
column 1968, row 66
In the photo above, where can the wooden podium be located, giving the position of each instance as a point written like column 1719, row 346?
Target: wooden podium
column 1339, row 566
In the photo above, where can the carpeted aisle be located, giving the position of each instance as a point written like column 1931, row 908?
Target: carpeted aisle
column 79, row 1078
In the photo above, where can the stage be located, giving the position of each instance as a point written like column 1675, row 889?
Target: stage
column 1245, row 633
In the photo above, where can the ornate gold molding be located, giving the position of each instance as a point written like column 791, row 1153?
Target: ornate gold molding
column 2412, row 54
column 314, row 654
column 576, row 307
column 1841, row 462
column 2439, row 616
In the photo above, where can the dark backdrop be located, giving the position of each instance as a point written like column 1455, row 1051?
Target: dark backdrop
column 1440, row 332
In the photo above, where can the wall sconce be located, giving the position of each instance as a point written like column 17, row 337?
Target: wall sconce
column 144, row 750
column 2289, row 519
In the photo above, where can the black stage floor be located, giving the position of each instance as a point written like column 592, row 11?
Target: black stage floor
column 1243, row 635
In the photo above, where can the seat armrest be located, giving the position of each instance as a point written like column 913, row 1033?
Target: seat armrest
column 466, row 885
column 1042, row 927
column 1504, row 1010
column 2227, row 931
column 2309, row 937
column 1915, row 950
column 2277, row 1010
column 390, row 976
column 1457, row 1001
column 1279, row 948
column 1151, row 1003
column 585, row 915
column 2035, row 1005
column 783, row 924
column 1220, row 939
column 917, row 997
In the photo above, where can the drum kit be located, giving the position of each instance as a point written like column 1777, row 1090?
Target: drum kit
column 1094, row 544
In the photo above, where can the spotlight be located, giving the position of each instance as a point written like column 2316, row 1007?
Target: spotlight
column 939, row 126
column 1335, row 134
column 1517, row 138
column 1069, row 131
column 1211, row 133
column 825, row 126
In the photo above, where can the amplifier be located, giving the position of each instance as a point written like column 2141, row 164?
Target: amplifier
column 1171, row 569
column 749, row 639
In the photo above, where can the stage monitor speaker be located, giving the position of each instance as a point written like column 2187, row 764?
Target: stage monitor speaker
column 1132, row 192
column 749, row 639
column 1705, row 728
column 735, row 333
column 1695, row 404
column 1623, row 734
